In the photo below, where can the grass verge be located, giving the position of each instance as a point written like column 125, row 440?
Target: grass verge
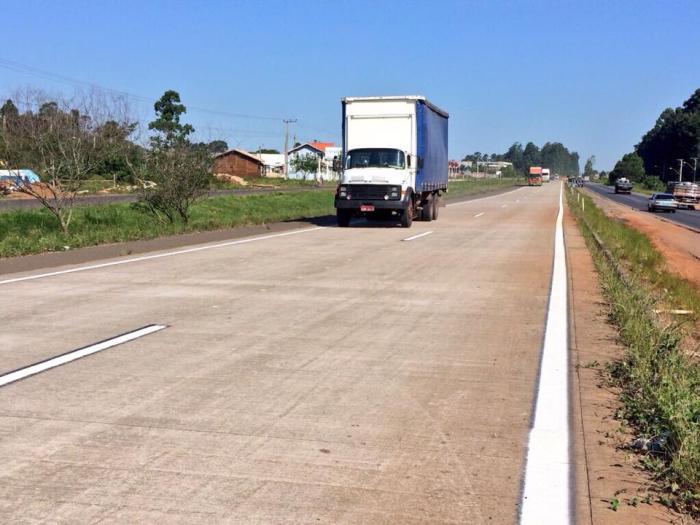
column 658, row 380
column 471, row 186
column 33, row 231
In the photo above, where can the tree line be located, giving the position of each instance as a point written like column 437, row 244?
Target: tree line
column 68, row 141
column 552, row 155
column 655, row 159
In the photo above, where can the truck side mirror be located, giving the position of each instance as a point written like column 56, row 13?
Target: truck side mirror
column 408, row 161
column 336, row 163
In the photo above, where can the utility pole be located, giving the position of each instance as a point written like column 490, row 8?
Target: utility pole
column 287, row 122
column 680, row 173
column 695, row 166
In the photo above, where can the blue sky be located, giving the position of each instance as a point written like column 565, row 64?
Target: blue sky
column 593, row 75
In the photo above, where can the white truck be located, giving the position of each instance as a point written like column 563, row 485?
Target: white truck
column 545, row 175
column 394, row 159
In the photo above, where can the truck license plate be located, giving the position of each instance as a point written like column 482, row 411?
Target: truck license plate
column 366, row 207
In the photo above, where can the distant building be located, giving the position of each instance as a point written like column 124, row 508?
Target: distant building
column 273, row 164
column 239, row 163
column 453, row 168
column 318, row 150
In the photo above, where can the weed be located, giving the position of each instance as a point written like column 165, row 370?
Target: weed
column 614, row 504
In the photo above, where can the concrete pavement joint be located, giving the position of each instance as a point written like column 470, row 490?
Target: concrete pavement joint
column 461, row 203
column 546, row 491
column 159, row 255
column 62, row 359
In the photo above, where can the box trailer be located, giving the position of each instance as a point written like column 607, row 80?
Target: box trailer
column 394, row 159
column 535, row 176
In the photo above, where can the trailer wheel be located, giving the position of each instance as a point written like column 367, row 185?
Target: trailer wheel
column 343, row 217
column 436, row 206
column 426, row 214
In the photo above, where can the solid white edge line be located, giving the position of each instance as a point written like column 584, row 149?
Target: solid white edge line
column 37, row 368
column 546, row 492
column 462, row 203
column 479, row 214
column 159, row 255
column 417, row 236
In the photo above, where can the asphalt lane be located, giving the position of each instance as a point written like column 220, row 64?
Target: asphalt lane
column 334, row 375
column 638, row 201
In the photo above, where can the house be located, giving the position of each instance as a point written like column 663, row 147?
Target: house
column 273, row 164
column 239, row 163
column 316, row 149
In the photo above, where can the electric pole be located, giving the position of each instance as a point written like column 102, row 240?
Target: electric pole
column 680, row 173
column 287, row 122
column 695, row 166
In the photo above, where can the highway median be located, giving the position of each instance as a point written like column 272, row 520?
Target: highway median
column 658, row 377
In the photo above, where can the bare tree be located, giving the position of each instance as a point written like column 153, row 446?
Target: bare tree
column 63, row 140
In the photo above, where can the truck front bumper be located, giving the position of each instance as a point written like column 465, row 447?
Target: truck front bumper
column 379, row 204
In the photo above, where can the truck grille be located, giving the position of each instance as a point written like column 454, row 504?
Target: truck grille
column 368, row 191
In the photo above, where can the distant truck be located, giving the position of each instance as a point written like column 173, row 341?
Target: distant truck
column 535, row 176
column 545, row 175
column 686, row 194
column 394, row 159
column 623, row 185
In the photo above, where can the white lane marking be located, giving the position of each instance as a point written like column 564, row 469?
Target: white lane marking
column 462, row 203
column 16, row 375
column 504, row 205
column 417, row 236
column 159, row 255
column 546, row 491
column 479, row 214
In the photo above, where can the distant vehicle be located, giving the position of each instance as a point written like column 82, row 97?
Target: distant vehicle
column 686, row 194
column 623, row 185
column 586, row 178
column 545, row 175
column 535, row 177
column 395, row 153
column 662, row 202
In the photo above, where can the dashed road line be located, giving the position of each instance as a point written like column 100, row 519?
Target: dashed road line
column 546, row 491
column 414, row 237
column 479, row 214
column 47, row 364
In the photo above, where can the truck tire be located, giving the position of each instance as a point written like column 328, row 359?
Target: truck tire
column 343, row 217
column 437, row 201
column 407, row 217
column 426, row 214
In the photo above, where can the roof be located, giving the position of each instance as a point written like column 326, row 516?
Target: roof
column 321, row 145
column 240, row 152
column 312, row 146
column 400, row 97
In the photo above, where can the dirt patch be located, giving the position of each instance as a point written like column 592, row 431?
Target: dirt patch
column 607, row 475
column 679, row 246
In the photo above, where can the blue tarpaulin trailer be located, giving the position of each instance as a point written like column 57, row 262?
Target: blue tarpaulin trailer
column 394, row 159
column 18, row 176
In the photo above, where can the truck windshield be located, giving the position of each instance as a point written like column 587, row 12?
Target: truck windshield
column 375, row 158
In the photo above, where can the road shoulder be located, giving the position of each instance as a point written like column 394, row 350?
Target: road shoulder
column 603, row 469
column 679, row 245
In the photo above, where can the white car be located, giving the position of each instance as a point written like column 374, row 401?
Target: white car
column 662, row 202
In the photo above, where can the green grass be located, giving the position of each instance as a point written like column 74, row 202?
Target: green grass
column 33, row 231
column 658, row 380
column 471, row 186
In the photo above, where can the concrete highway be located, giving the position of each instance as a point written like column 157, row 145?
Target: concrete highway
column 638, row 201
column 368, row 374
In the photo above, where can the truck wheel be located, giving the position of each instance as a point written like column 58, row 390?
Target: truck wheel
column 343, row 217
column 436, row 206
column 407, row 217
column 426, row 214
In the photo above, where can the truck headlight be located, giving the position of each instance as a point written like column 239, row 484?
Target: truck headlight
column 395, row 192
column 342, row 191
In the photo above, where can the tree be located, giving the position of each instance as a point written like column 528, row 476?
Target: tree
column 266, row 150
column 588, row 170
column 630, row 166
column 307, row 164
column 169, row 131
column 63, row 142
column 175, row 173
column 531, row 156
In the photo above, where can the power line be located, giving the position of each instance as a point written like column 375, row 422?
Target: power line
column 33, row 71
